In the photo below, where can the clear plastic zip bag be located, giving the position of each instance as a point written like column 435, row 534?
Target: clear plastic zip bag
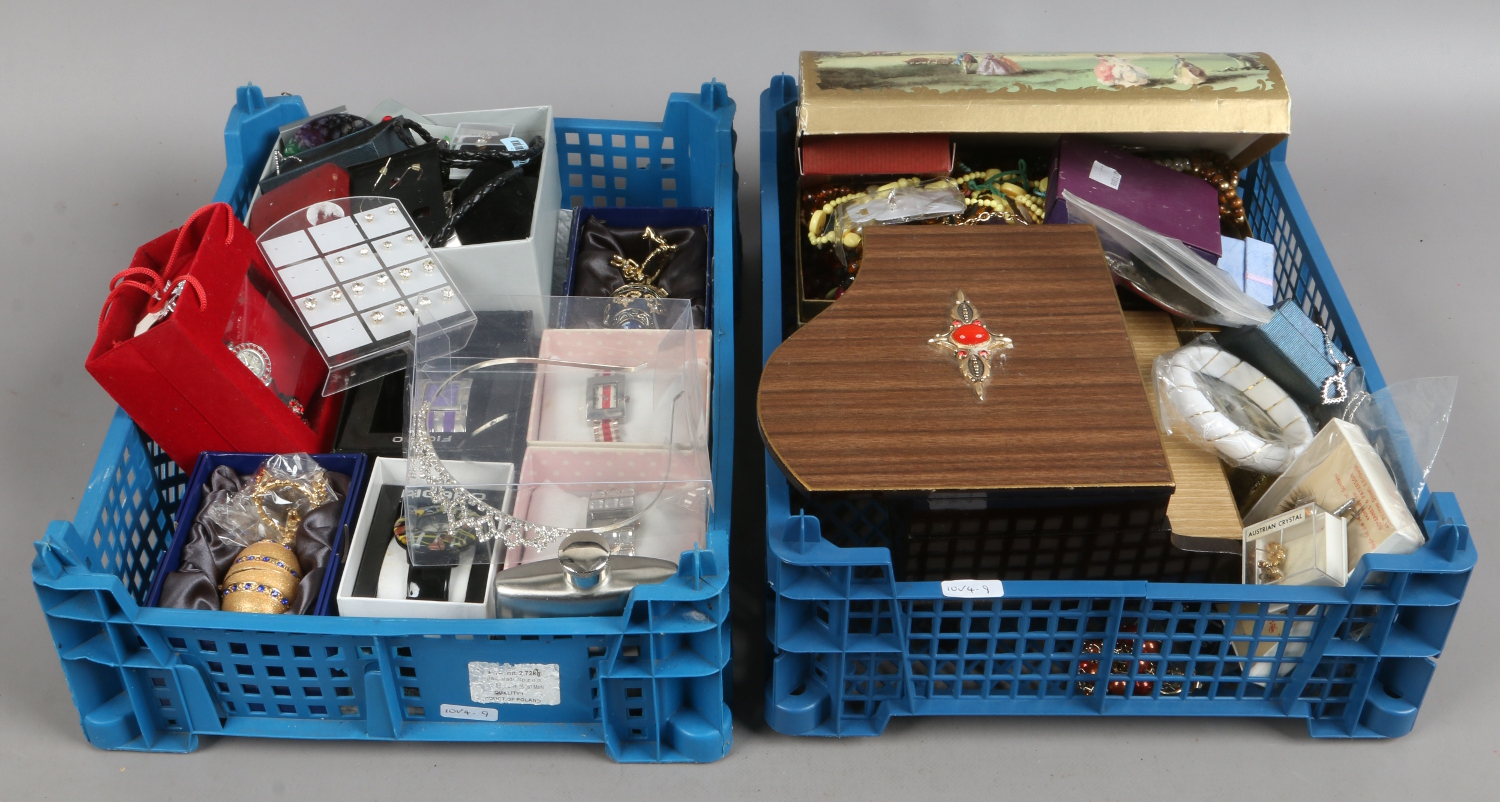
column 1228, row 407
column 903, row 201
column 283, row 491
column 1405, row 423
column 1166, row 271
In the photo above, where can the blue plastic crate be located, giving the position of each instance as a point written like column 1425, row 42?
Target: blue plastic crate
column 650, row 684
column 852, row 647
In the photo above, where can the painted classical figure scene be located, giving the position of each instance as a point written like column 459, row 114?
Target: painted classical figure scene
column 1014, row 72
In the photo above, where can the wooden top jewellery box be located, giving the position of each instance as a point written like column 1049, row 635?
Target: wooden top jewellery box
column 881, row 394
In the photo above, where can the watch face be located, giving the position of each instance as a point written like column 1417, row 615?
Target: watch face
column 256, row 359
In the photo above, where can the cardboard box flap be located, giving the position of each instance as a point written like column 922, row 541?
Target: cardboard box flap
column 1232, row 101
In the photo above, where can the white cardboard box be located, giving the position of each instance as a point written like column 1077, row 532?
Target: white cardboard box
column 517, row 267
column 559, row 404
column 384, row 472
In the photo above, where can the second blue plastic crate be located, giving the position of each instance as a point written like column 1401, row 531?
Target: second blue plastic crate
column 852, row 647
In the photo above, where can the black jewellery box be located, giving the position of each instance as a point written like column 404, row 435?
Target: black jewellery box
column 375, row 414
column 600, row 232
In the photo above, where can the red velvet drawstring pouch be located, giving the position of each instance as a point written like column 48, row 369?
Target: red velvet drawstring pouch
column 198, row 345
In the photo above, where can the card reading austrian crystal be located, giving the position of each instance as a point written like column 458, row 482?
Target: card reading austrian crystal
column 342, row 336
column 415, row 277
column 371, row 291
column 353, row 262
column 320, row 307
column 391, row 320
column 442, row 304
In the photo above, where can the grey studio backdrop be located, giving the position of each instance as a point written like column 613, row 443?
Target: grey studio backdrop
column 115, row 114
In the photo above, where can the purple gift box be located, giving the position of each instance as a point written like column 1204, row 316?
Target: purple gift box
column 1173, row 204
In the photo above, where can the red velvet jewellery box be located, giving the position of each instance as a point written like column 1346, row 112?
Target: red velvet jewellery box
column 227, row 368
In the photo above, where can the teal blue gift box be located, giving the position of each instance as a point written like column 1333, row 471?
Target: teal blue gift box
column 1291, row 349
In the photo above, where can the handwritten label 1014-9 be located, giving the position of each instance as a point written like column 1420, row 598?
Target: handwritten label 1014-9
column 973, row 589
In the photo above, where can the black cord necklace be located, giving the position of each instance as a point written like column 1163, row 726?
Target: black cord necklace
column 450, row 158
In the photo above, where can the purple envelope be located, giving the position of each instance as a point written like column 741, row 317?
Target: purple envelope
column 1177, row 205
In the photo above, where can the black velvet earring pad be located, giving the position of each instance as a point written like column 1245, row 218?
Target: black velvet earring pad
column 685, row 274
column 419, row 190
column 500, row 216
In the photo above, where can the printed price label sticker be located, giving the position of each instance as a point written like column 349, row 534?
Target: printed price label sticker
column 515, row 144
column 515, row 683
column 1105, row 175
column 469, row 713
column 973, row 588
